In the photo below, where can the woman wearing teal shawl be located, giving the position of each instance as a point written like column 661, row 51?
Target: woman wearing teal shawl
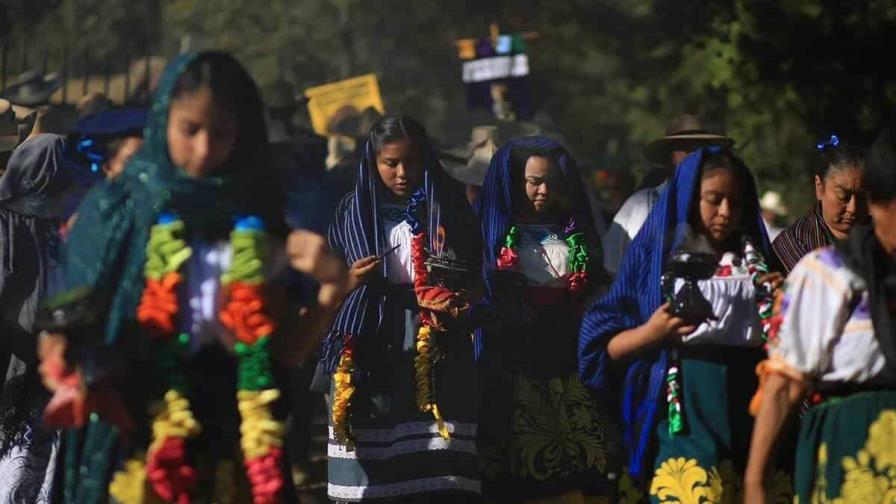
column 175, row 302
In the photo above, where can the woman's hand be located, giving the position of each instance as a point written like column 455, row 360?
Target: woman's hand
column 363, row 269
column 774, row 279
column 308, row 252
column 663, row 325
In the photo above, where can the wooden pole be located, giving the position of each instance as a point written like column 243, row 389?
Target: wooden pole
column 86, row 67
column 127, row 77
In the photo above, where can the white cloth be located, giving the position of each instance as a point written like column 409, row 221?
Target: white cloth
column 826, row 331
column 200, row 315
column 627, row 223
column 543, row 254
column 772, row 230
column 399, row 266
column 733, row 300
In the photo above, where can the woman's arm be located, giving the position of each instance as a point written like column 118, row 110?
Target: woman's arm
column 780, row 395
column 308, row 253
column 661, row 326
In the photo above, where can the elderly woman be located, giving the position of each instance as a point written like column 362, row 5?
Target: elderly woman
column 839, row 186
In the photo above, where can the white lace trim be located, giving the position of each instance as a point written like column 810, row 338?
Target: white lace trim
column 408, row 429
column 356, row 493
column 406, row 447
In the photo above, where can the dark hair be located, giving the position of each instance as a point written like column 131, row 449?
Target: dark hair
column 723, row 159
column 392, row 128
column 838, row 157
column 234, row 90
column 880, row 176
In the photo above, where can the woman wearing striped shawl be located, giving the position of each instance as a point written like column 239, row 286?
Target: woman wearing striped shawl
column 543, row 437
column 839, row 188
column 403, row 388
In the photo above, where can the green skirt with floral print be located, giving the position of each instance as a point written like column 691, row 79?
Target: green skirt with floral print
column 847, row 451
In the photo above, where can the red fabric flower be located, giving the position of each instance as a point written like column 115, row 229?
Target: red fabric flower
column 168, row 472
column 577, row 282
column 508, row 258
column 265, row 476
column 724, row 271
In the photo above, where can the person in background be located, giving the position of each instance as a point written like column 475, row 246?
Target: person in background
column 468, row 164
column 688, row 378
column 773, row 210
column 542, row 437
column 9, row 133
column 32, row 192
column 835, row 346
column 839, row 178
column 684, row 134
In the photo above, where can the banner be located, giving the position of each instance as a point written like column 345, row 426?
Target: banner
column 358, row 93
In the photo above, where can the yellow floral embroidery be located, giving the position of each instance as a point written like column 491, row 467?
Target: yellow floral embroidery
column 680, row 480
column 556, row 430
column 629, row 493
column 870, row 476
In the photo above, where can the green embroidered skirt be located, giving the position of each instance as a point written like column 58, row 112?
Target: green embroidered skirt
column 705, row 462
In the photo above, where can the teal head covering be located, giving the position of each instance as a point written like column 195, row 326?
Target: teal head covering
column 106, row 248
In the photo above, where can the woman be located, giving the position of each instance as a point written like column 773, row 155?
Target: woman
column 689, row 373
column 181, row 260
column 403, row 390
column 32, row 192
column 839, row 189
column 835, row 344
column 542, row 435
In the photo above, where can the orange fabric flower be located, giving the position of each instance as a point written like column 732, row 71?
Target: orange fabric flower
column 244, row 313
column 158, row 306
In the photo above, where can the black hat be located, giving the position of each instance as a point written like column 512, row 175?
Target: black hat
column 684, row 132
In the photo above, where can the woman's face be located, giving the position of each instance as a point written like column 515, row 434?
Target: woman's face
column 720, row 204
column 883, row 218
column 543, row 185
column 201, row 134
column 400, row 165
column 842, row 197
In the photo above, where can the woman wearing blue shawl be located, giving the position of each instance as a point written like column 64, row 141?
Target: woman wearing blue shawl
column 161, row 356
column 403, row 390
column 542, row 435
column 688, row 379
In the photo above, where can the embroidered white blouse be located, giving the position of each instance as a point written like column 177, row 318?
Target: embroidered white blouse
column 733, row 298
column 543, row 255
column 826, row 333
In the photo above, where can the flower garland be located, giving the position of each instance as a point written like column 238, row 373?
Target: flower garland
column 343, row 389
column 577, row 258
column 166, row 469
column 427, row 350
column 765, row 294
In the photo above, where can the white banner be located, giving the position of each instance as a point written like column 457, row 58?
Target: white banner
column 496, row 67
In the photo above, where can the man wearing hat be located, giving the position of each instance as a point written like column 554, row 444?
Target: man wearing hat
column 684, row 135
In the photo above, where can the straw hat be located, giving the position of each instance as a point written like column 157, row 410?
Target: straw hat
column 774, row 203
column 684, row 132
column 469, row 164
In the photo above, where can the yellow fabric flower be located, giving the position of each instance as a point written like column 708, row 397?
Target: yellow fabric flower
column 343, row 388
column 259, row 430
column 175, row 419
column 423, row 371
column 128, row 486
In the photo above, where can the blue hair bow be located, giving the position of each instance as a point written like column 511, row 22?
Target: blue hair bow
column 834, row 141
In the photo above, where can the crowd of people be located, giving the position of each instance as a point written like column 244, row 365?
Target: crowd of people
column 177, row 290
